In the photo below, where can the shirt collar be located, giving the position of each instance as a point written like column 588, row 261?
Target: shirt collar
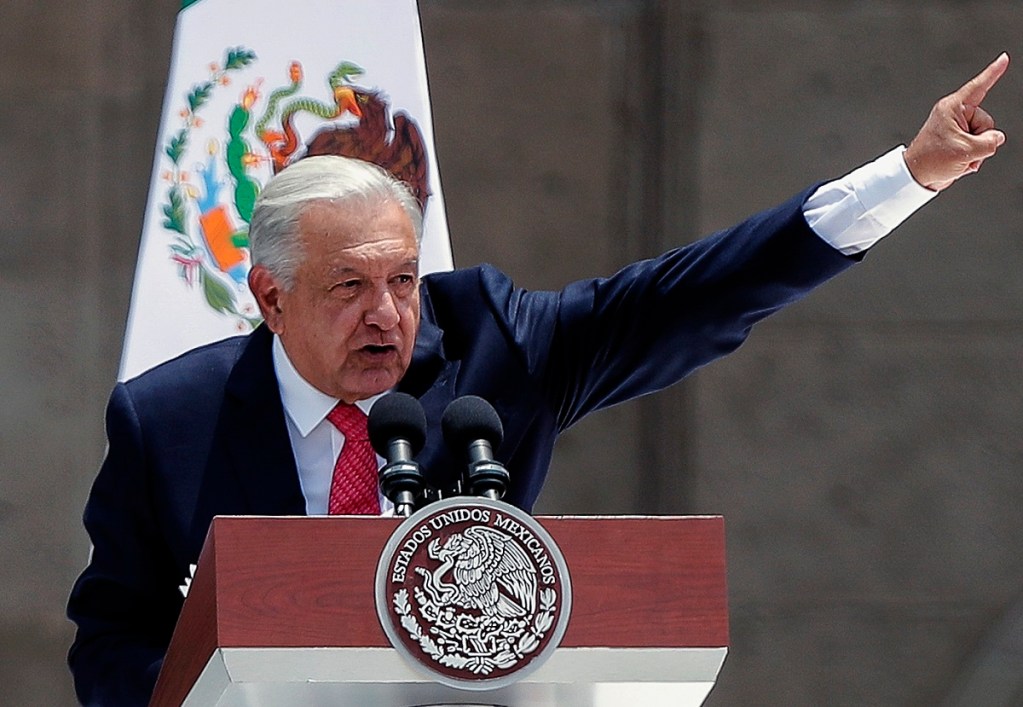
column 305, row 405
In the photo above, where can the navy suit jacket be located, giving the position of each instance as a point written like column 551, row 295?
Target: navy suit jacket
column 205, row 434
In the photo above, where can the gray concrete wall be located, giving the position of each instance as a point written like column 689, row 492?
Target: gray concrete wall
column 863, row 446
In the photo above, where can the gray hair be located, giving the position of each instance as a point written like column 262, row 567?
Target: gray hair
column 273, row 231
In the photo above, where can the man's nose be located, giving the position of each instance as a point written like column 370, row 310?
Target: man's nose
column 383, row 312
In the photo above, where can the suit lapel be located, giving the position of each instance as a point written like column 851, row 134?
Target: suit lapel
column 427, row 360
column 431, row 378
column 257, row 435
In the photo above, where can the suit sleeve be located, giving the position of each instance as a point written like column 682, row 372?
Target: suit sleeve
column 600, row 342
column 126, row 601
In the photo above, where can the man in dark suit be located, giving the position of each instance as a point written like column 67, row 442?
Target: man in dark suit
column 245, row 426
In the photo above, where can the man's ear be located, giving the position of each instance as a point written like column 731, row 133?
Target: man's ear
column 268, row 292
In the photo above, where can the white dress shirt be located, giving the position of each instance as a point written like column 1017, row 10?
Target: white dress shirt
column 315, row 441
column 851, row 214
column 856, row 211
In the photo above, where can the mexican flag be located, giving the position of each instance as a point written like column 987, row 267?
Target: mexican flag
column 253, row 86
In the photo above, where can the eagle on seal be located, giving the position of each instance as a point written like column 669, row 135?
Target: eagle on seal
column 491, row 573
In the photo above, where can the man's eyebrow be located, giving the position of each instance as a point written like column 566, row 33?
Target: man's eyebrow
column 411, row 264
column 347, row 270
column 344, row 271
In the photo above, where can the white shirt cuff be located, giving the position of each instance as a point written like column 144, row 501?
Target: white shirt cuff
column 855, row 212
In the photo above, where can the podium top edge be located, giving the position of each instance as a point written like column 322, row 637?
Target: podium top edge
column 542, row 517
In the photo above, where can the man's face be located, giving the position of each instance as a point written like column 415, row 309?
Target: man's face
column 349, row 322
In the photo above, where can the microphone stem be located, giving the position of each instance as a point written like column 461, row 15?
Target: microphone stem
column 480, row 451
column 404, row 503
column 399, row 450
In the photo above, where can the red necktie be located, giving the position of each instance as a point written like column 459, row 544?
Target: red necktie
column 353, row 488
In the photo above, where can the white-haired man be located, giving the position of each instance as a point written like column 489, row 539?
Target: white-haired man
column 251, row 425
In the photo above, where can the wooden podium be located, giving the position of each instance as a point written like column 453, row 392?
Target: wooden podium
column 281, row 612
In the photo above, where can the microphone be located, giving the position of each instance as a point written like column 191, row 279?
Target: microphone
column 471, row 423
column 397, row 431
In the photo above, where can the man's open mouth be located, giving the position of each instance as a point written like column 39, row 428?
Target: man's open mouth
column 379, row 349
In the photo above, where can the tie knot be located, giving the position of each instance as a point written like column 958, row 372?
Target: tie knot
column 350, row 420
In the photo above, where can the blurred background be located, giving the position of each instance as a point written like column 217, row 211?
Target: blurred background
column 864, row 446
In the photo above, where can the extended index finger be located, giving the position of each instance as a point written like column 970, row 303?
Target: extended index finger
column 973, row 91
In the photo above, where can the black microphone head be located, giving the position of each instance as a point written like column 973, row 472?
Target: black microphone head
column 471, row 418
column 397, row 416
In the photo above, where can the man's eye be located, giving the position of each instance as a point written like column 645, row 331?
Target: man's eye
column 347, row 286
column 406, row 279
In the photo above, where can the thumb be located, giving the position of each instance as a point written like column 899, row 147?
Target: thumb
column 988, row 142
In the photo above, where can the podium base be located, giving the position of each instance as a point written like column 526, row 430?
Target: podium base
column 311, row 677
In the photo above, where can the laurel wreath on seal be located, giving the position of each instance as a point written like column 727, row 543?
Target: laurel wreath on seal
column 515, row 641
